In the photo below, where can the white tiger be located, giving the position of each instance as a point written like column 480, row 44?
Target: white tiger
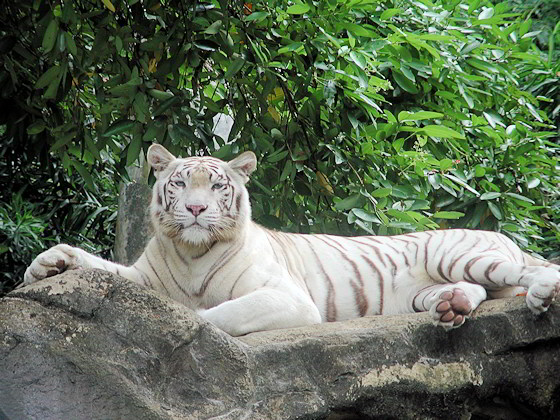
column 209, row 255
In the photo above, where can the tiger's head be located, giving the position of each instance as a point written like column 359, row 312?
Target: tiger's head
column 200, row 200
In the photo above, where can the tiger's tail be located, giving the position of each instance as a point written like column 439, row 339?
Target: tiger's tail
column 521, row 291
column 534, row 261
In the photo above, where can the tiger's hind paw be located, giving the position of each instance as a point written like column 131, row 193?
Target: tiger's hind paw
column 450, row 308
column 541, row 295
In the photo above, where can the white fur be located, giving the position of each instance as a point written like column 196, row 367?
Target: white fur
column 209, row 255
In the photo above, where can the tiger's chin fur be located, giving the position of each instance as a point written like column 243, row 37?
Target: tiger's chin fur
column 207, row 254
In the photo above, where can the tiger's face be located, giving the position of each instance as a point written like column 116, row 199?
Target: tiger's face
column 200, row 200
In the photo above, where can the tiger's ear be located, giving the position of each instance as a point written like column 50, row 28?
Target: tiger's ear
column 159, row 157
column 244, row 164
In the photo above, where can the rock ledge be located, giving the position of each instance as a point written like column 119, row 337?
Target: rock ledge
column 89, row 344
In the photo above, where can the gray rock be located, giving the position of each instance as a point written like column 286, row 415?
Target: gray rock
column 91, row 345
column 134, row 227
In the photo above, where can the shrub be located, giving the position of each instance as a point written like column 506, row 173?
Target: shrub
column 367, row 116
column 21, row 239
column 47, row 207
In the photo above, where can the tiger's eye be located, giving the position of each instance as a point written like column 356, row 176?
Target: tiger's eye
column 179, row 183
column 217, row 186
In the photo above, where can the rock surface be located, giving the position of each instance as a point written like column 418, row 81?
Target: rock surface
column 91, row 345
column 134, row 227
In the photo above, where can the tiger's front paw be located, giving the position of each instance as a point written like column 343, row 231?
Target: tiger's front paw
column 541, row 294
column 53, row 261
column 450, row 308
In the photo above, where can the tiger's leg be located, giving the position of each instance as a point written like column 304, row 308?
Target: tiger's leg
column 449, row 304
column 542, row 281
column 495, row 273
column 261, row 310
column 64, row 257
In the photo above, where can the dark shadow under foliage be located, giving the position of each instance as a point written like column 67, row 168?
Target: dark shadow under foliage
column 367, row 117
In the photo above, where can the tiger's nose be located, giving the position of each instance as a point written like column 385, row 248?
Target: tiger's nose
column 196, row 209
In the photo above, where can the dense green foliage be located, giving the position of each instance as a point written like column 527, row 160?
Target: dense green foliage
column 42, row 205
column 367, row 116
column 543, row 78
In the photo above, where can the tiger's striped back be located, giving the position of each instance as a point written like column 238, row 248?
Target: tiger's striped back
column 366, row 275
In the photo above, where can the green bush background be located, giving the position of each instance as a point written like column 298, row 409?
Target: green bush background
column 367, row 116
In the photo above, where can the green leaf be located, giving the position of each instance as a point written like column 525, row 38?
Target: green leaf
column 510, row 227
column 109, row 5
column 441, row 131
column 445, row 164
column 358, row 30
column 533, row 183
column 493, row 118
column 287, row 170
column 256, row 17
column 168, row 103
column 160, row 94
column 85, row 174
column 403, row 191
column 133, row 150
column 124, row 90
column 408, row 73
column 467, row 48
column 495, row 210
column 404, row 82
column 462, row 183
column 466, row 97
column 141, row 106
column 179, row 133
column 364, row 215
column 233, row 68
column 349, row 202
column 47, row 77
column 401, row 215
column 206, row 45
column 520, row 198
column 490, row 195
column 91, row 146
column 71, row 44
column 398, row 144
column 405, row 116
column 483, row 65
column 487, row 13
column 277, row 156
column 119, row 127
column 118, row 44
column 363, row 79
column 382, row 192
column 63, row 140
column 294, row 46
column 214, row 28
column 524, row 27
column 448, row 214
column 531, row 34
column 298, row 9
column 329, row 92
column 52, row 90
column 389, row 13
column 359, row 59
column 50, row 36
column 36, row 128
column 61, row 42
